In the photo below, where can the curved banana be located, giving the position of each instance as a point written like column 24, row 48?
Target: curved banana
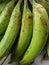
column 48, row 41
column 45, row 4
column 5, row 16
column 25, row 33
column 40, row 19
column 11, row 32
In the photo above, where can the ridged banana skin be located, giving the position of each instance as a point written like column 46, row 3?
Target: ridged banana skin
column 40, row 35
column 5, row 16
column 25, row 34
column 11, row 32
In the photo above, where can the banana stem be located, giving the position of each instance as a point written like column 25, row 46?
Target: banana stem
column 20, row 1
column 14, row 0
column 32, row 2
column 25, row 4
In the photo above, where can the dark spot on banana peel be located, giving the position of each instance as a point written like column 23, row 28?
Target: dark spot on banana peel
column 19, row 18
column 22, row 30
column 27, row 18
column 40, row 31
column 9, row 10
column 30, row 17
column 43, row 21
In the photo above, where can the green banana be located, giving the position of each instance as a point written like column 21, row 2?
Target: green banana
column 11, row 32
column 40, row 19
column 48, row 41
column 25, row 33
column 5, row 16
column 45, row 4
column 2, row 6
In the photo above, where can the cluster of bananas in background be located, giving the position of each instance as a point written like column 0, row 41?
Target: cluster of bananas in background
column 24, row 29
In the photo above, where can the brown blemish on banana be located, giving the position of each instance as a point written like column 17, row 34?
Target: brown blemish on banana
column 19, row 18
column 43, row 21
column 9, row 11
column 30, row 17
column 22, row 30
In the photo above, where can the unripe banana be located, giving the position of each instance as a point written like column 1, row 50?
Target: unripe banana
column 45, row 4
column 2, row 6
column 40, row 19
column 11, row 32
column 5, row 16
column 25, row 33
column 48, row 41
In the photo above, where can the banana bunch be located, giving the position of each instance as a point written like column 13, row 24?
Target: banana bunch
column 24, row 29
